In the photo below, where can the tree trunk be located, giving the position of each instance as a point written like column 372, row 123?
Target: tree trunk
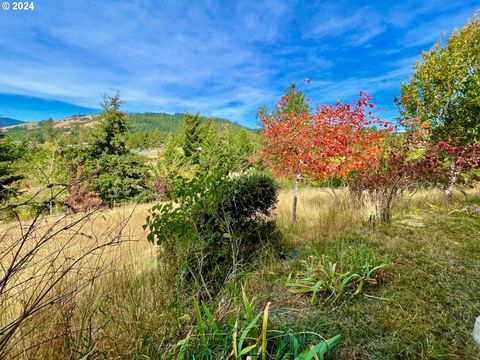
column 446, row 196
column 295, row 198
column 452, row 180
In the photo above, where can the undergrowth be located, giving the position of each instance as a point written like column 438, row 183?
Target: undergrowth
column 421, row 305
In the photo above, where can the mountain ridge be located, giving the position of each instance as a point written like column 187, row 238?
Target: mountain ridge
column 145, row 121
column 7, row 122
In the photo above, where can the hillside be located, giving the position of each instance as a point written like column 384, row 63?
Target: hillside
column 147, row 121
column 6, row 122
column 147, row 129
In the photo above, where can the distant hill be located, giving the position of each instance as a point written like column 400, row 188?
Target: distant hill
column 147, row 121
column 164, row 122
column 75, row 120
column 4, row 121
column 146, row 129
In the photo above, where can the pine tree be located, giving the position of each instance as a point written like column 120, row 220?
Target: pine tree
column 295, row 101
column 191, row 130
column 8, row 178
column 212, row 154
column 171, row 158
column 110, row 138
column 117, row 174
column 48, row 130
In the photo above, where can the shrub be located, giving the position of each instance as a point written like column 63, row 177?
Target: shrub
column 213, row 227
column 82, row 199
column 247, row 198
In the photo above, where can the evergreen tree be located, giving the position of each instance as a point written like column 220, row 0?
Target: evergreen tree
column 48, row 130
column 123, row 177
column 227, row 150
column 240, row 149
column 191, row 130
column 295, row 101
column 110, row 138
column 116, row 174
column 212, row 154
column 8, row 154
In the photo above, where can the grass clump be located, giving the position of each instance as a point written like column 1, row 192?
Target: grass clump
column 237, row 330
column 322, row 275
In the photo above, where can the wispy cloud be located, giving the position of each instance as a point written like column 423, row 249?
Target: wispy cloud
column 219, row 58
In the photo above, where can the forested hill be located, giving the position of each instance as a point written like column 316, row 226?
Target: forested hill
column 147, row 129
column 149, row 121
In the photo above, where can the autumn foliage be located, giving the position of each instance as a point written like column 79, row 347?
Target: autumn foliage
column 446, row 165
column 409, row 159
column 81, row 199
column 331, row 141
column 396, row 168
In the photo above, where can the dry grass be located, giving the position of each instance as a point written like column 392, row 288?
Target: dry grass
column 321, row 212
column 129, row 307
column 50, row 263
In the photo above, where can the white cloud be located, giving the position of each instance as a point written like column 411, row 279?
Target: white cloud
column 213, row 57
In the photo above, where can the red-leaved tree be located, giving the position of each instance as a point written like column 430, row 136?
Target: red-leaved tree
column 446, row 165
column 410, row 159
column 332, row 141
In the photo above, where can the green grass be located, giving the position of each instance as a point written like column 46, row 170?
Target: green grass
column 424, row 305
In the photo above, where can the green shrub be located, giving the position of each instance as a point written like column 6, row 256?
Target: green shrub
column 213, row 226
column 248, row 197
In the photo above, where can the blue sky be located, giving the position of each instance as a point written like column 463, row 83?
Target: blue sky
column 219, row 58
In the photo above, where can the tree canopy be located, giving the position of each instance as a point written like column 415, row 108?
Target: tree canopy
column 110, row 137
column 445, row 88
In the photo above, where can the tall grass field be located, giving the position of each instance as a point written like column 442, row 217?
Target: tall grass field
column 421, row 306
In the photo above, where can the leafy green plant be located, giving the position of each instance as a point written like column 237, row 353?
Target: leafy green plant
column 324, row 276
column 212, row 226
column 244, row 333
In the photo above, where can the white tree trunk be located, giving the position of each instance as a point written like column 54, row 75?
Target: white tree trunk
column 453, row 175
column 295, row 198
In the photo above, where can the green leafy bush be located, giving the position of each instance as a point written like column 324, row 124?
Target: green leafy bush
column 213, row 225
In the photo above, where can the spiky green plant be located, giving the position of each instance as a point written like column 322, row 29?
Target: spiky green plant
column 244, row 333
column 324, row 276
